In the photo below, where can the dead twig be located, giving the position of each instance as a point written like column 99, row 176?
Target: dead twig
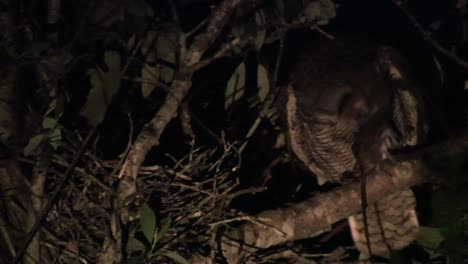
column 427, row 37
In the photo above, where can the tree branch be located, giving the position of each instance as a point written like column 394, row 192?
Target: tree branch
column 426, row 36
column 149, row 136
column 316, row 215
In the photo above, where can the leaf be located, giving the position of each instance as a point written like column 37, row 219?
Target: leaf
column 104, row 85
column 33, row 144
column 139, row 8
column 54, row 134
column 238, row 30
column 134, row 245
column 148, row 222
column 49, row 123
column 55, row 138
column 235, row 87
column 147, row 44
column 280, row 141
column 135, row 260
column 175, row 256
column 164, row 229
column 322, row 10
column 280, row 6
column 260, row 36
column 447, row 207
column 263, row 83
column 312, row 11
column 455, row 244
column 131, row 42
column 37, row 47
column 149, row 79
column 298, row 187
column 166, row 50
column 328, row 11
column 434, row 26
column 429, row 237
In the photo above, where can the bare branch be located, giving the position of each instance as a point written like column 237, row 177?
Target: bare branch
column 316, row 214
column 426, row 36
column 149, row 137
column 237, row 42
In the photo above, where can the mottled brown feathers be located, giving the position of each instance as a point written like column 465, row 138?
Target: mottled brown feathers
column 347, row 104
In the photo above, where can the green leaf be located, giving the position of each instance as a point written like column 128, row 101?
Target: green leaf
column 260, row 36
column 135, row 260
column 134, row 245
column 33, row 144
column 328, row 11
column 164, row 229
column 49, row 123
column 455, row 244
column 447, row 206
column 148, row 222
column 166, row 44
column 429, row 237
column 175, row 256
column 322, row 10
column 55, row 138
column 149, row 79
column 104, row 85
column 263, row 82
column 235, row 87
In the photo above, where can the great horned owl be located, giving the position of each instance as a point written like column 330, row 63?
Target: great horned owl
column 347, row 105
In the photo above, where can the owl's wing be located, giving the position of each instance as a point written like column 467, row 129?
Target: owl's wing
column 352, row 114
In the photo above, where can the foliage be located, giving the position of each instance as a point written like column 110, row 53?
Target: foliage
column 104, row 85
column 151, row 236
column 446, row 236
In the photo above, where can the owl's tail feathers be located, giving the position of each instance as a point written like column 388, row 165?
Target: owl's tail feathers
column 392, row 224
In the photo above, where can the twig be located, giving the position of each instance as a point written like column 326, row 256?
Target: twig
column 237, row 42
column 426, row 36
column 149, row 137
column 235, row 219
column 246, row 191
column 175, row 14
column 279, row 58
column 364, row 206
column 196, row 28
column 55, row 197
column 321, row 31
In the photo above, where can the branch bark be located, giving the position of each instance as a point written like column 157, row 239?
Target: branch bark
column 316, row 214
column 149, row 136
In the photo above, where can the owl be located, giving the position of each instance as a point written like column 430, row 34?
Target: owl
column 348, row 106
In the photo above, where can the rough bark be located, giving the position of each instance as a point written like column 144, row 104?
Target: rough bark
column 316, row 214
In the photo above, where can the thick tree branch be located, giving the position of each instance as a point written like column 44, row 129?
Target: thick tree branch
column 317, row 214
